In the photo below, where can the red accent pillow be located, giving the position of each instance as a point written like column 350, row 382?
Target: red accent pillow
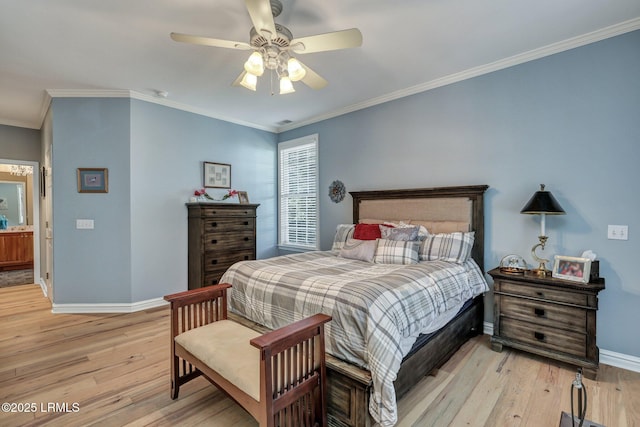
column 367, row 232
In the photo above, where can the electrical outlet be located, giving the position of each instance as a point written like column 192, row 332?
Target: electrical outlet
column 84, row 224
column 618, row 232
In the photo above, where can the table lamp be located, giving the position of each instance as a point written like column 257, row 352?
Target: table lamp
column 542, row 203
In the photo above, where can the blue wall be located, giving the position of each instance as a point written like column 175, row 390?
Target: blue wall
column 138, row 249
column 91, row 265
column 570, row 121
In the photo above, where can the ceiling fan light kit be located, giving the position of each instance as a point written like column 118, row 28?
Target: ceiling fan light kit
column 272, row 45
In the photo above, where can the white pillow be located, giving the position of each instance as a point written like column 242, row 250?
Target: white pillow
column 362, row 250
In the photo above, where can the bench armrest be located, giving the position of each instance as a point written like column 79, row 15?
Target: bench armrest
column 290, row 335
column 193, row 296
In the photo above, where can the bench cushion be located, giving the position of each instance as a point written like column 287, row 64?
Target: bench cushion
column 224, row 347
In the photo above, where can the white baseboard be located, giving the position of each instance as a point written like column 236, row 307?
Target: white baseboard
column 108, row 308
column 43, row 286
column 607, row 357
column 620, row 360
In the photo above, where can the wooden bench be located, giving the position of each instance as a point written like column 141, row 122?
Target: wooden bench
column 278, row 377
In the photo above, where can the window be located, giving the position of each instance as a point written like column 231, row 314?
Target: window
column 298, row 192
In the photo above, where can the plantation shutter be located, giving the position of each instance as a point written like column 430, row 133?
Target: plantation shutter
column 298, row 170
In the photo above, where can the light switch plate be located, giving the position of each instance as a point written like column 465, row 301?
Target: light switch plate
column 84, row 224
column 618, row 232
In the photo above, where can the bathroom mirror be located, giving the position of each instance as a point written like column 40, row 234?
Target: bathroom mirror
column 13, row 202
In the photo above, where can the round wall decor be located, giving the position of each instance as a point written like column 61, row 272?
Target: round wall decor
column 337, row 191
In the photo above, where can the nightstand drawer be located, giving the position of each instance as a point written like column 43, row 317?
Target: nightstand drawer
column 543, row 293
column 573, row 343
column 543, row 313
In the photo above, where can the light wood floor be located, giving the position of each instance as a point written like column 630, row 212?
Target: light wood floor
column 115, row 367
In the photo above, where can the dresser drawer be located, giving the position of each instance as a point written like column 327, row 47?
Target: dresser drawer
column 567, row 297
column 543, row 313
column 229, row 241
column 213, row 277
column 216, row 260
column 229, row 225
column 218, row 212
column 573, row 343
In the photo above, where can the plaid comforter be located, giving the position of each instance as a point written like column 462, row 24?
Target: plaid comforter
column 378, row 310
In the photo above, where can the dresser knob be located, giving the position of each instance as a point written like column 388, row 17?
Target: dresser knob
column 539, row 336
column 246, row 257
column 214, row 261
column 214, row 224
column 213, row 242
column 246, row 239
column 246, row 223
column 214, row 281
column 539, row 312
column 540, row 294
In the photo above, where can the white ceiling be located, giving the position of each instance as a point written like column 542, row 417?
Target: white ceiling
column 122, row 48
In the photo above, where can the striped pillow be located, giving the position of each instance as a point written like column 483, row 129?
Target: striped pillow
column 452, row 247
column 396, row 252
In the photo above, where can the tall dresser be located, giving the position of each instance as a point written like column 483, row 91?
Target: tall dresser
column 220, row 234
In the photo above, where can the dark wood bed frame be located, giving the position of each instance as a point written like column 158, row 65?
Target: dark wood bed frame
column 349, row 386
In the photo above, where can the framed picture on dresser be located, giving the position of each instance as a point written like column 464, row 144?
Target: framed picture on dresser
column 576, row 269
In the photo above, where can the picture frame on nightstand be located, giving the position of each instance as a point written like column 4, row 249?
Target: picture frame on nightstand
column 576, row 269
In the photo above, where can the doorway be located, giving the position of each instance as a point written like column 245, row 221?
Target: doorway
column 19, row 216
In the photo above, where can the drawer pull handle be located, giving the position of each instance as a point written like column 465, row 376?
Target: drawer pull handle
column 213, row 242
column 539, row 312
column 214, row 224
column 539, row 336
column 214, row 281
column 540, row 294
column 246, row 223
column 246, row 257
column 214, row 261
column 246, row 239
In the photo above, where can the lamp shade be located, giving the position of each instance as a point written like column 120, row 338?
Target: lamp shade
column 543, row 202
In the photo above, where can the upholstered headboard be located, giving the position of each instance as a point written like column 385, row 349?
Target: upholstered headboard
column 441, row 209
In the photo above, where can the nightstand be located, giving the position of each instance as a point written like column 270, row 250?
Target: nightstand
column 546, row 316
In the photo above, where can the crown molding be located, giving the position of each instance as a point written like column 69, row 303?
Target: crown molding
column 574, row 42
column 131, row 94
column 552, row 49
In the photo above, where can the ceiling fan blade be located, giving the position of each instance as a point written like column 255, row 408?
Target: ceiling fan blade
column 329, row 41
column 207, row 41
column 312, row 79
column 262, row 17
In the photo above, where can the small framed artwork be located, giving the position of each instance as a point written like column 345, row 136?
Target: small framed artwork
column 93, row 180
column 243, row 197
column 217, row 175
column 572, row 268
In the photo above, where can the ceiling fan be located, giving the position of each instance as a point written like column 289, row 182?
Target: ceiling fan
column 273, row 46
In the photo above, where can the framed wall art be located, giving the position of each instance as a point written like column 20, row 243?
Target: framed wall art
column 93, row 180
column 217, row 175
column 572, row 268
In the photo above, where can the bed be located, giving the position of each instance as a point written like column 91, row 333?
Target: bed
column 394, row 320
